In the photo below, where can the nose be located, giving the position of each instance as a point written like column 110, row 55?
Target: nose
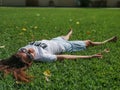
column 32, row 51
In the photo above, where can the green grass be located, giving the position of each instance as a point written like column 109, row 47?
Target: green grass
column 18, row 26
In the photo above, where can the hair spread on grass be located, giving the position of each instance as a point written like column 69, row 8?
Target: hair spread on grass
column 16, row 66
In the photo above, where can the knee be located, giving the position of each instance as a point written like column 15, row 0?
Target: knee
column 88, row 43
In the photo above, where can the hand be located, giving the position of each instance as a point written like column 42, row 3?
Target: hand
column 97, row 56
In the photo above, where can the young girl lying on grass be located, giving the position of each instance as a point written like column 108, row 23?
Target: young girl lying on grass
column 46, row 51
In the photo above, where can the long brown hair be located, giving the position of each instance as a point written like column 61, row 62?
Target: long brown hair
column 16, row 66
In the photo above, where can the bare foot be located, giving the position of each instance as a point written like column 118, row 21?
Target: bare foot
column 104, row 51
column 66, row 37
column 113, row 39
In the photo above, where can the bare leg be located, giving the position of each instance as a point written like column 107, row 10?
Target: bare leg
column 68, row 35
column 91, row 43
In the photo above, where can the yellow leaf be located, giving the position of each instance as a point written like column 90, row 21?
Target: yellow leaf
column 24, row 29
column 2, row 46
column 47, row 73
column 77, row 22
column 35, row 27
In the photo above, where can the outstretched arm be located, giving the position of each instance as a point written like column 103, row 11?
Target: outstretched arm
column 73, row 57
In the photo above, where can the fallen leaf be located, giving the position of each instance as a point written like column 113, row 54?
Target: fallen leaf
column 47, row 73
column 24, row 29
column 77, row 22
column 2, row 46
column 35, row 27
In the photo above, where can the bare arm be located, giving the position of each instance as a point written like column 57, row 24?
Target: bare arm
column 73, row 57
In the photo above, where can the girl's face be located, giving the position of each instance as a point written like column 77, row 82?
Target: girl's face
column 25, row 56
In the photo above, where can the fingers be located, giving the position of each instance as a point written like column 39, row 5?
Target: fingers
column 97, row 56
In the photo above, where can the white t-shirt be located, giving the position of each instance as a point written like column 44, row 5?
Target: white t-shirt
column 46, row 54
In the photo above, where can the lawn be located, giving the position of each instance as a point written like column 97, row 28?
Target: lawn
column 18, row 26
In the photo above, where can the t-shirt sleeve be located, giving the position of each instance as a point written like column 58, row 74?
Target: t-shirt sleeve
column 48, row 58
